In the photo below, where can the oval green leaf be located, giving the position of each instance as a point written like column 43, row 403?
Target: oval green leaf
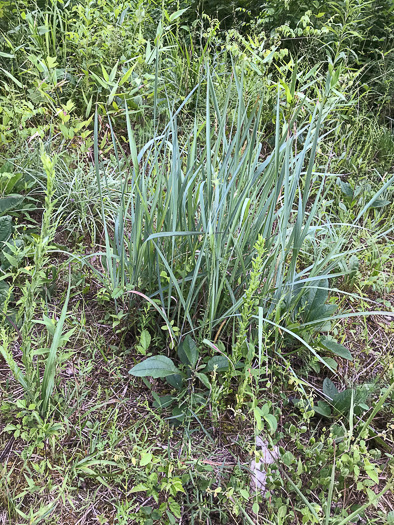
column 156, row 366
column 337, row 349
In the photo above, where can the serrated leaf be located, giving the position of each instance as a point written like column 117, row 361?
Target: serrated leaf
column 175, row 508
column 337, row 349
column 329, row 389
column 156, row 366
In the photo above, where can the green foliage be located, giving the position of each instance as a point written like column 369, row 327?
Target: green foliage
column 188, row 398
column 29, row 379
column 343, row 402
column 217, row 176
column 13, row 203
column 179, row 229
column 157, row 366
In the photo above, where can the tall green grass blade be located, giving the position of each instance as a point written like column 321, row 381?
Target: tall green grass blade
column 48, row 380
column 330, row 494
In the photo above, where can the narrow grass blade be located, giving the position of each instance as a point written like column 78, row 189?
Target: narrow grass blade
column 48, row 380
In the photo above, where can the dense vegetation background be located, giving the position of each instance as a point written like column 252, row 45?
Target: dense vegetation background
column 196, row 267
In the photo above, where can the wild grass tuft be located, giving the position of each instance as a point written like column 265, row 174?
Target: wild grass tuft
column 193, row 208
